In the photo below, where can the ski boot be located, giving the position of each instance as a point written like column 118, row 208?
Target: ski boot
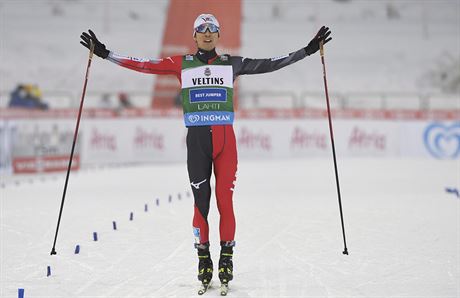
column 204, row 267
column 226, row 265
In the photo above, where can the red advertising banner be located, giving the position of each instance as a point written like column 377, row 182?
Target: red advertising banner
column 43, row 145
column 178, row 39
column 46, row 164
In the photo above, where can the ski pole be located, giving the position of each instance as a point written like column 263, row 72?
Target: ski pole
column 321, row 48
column 91, row 51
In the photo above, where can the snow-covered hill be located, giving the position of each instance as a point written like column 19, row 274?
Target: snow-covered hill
column 378, row 46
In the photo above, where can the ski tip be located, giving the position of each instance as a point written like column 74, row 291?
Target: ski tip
column 203, row 288
column 223, row 289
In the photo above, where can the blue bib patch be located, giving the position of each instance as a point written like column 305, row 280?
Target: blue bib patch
column 207, row 95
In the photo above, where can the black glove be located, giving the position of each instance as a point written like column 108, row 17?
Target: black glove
column 313, row 45
column 99, row 48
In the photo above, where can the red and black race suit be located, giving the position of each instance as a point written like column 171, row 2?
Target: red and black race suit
column 209, row 146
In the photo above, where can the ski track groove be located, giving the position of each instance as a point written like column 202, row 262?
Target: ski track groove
column 301, row 268
column 107, row 270
column 146, row 275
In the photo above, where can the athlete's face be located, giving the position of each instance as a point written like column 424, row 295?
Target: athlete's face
column 206, row 41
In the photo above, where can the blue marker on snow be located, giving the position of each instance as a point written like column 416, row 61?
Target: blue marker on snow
column 77, row 249
column 20, row 293
column 131, row 216
column 146, row 207
column 114, row 224
column 48, row 271
column 453, row 191
column 95, row 236
column 158, row 202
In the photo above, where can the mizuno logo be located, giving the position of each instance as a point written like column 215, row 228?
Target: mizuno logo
column 197, row 185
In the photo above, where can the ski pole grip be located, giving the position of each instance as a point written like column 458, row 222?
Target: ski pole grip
column 321, row 48
column 91, row 49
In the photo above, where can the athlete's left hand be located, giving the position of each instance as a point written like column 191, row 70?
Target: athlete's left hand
column 322, row 35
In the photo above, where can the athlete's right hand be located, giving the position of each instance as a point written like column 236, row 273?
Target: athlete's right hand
column 99, row 48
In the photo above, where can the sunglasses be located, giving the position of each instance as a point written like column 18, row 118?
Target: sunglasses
column 203, row 27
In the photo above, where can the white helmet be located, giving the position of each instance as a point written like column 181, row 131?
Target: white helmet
column 209, row 21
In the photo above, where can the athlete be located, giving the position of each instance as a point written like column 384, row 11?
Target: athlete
column 207, row 80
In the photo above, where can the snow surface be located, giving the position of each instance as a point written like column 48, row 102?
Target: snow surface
column 402, row 227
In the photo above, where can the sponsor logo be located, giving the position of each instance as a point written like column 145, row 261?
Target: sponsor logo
column 144, row 139
column 215, row 118
column 189, row 58
column 207, row 76
column 233, row 183
column 157, row 61
column 196, row 234
column 193, row 118
column 208, row 94
column 44, row 164
column 304, row 139
column 208, row 118
column 253, row 140
column 207, row 19
column 141, row 59
column 361, row 139
column 101, row 141
column 42, row 140
column 207, row 72
column 443, row 141
column 208, row 106
column 207, row 81
column 279, row 57
column 197, row 185
column 223, row 58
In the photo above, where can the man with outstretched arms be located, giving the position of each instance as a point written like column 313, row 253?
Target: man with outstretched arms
column 207, row 100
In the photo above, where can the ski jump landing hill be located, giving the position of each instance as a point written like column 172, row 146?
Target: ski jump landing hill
column 381, row 59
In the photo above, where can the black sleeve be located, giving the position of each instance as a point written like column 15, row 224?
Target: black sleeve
column 242, row 66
